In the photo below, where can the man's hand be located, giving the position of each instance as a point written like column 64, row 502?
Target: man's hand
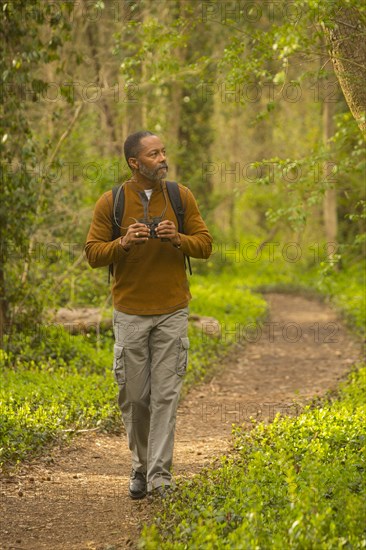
column 167, row 230
column 137, row 233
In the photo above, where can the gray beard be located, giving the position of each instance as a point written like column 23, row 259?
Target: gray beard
column 153, row 175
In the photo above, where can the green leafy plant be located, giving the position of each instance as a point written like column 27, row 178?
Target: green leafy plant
column 295, row 483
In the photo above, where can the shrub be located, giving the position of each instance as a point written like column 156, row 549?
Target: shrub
column 296, row 483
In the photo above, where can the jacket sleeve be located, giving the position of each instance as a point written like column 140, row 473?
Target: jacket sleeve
column 100, row 250
column 196, row 240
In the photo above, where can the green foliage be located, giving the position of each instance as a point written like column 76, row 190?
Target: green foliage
column 170, row 59
column 296, row 483
column 227, row 299
column 203, row 354
column 54, row 347
column 346, row 288
column 275, row 51
column 42, row 403
column 32, row 37
column 304, row 181
column 253, row 50
column 291, row 266
column 54, row 382
column 196, row 136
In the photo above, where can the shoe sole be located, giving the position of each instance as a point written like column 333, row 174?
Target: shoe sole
column 137, row 496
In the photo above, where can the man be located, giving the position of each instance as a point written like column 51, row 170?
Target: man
column 150, row 298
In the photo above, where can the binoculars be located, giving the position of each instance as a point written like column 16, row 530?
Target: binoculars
column 152, row 225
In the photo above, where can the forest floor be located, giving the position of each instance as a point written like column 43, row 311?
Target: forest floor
column 75, row 497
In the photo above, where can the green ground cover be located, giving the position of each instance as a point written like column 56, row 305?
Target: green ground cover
column 295, row 483
column 54, row 383
column 298, row 482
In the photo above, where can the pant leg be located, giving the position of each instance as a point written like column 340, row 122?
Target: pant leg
column 131, row 368
column 169, row 350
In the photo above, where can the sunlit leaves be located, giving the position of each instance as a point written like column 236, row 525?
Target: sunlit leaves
column 295, row 483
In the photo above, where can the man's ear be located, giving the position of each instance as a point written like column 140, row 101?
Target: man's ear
column 132, row 161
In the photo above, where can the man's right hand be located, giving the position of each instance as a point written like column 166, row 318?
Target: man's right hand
column 137, row 233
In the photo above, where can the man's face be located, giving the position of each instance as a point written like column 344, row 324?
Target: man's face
column 151, row 160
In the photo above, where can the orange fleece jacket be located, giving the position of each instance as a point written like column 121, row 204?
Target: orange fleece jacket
column 150, row 278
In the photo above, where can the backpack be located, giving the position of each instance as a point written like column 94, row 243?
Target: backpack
column 118, row 208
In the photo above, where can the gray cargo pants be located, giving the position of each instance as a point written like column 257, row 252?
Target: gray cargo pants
column 150, row 359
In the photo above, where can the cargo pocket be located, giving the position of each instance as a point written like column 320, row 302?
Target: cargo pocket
column 182, row 356
column 119, row 370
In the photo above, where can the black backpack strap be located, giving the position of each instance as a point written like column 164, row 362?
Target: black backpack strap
column 118, row 202
column 118, row 199
column 176, row 202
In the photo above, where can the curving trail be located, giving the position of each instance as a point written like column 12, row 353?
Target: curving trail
column 76, row 498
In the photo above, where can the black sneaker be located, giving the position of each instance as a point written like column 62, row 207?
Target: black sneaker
column 137, row 488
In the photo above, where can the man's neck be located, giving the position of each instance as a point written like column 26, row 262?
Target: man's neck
column 144, row 183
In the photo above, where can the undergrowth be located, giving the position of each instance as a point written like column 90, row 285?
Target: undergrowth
column 293, row 484
column 55, row 383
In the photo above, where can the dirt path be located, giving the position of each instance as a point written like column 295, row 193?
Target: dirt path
column 75, row 498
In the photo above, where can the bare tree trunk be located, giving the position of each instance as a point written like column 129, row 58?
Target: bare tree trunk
column 234, row 182
column 109, row 117
column 347, row 48
column 144, row 102
column 174, row 124
column 3, row 307
column 176, row 96
column 330, row 197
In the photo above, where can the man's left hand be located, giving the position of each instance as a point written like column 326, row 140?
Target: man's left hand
column 167, row 230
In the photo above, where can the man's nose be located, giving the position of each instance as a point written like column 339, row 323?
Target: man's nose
column 162, row 156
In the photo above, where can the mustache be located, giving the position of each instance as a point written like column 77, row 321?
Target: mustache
column 163, row 166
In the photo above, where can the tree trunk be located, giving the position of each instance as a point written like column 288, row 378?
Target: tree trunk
column 3, row 308
column 176, row 96
column 91, row 32
column 330, row 216
column 347, row 48
column 174, row 125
